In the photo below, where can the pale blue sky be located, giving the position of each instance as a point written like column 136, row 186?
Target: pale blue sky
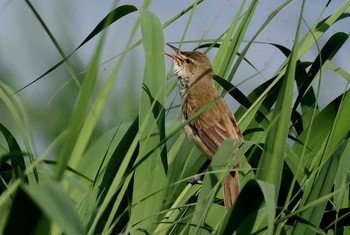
column 26, row 51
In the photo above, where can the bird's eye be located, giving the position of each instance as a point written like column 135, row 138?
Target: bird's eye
column 188, row 61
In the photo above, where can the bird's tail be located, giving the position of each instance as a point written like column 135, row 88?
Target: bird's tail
column 231, row 189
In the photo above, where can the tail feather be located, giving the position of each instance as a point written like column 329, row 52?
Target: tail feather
column 231, row 189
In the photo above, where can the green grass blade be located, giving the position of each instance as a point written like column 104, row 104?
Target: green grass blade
column 309, row 147
column 116, row 159
column 331, row 47
column 326, row 163
column 16, row 156
column 320, row 184
column 341, row 178
column 341, row 125
column 78, row 116
column 271, row 163
column 111, row 17
column 319, row 29
column 252, row 40
column 117, row 183
column 250, row 200
column 58, row 47
column 229, row 153
column 20, row 118
column 149, row 176
column 52, row 200
column 116, row 173
column 230, row 46
column 212, row 184
column 27, row 214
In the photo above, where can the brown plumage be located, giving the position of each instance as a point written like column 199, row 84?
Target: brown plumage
column 215, row 124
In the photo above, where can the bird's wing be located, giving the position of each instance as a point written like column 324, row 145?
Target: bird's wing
column 213, row 126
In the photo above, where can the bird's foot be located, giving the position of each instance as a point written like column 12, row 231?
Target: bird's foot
column 198, row 179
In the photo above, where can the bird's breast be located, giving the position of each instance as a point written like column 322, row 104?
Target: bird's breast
column 183, row 85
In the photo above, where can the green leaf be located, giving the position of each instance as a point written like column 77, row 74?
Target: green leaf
column 26, row 217
column 20, row 117
column 227, row 155
column 16, row 156
column 78, row 116
column 341, row 177
column 113, row 169
column 271, row 163
column 331, row 47
column 249, row 201
column 307, row 224
column 233, row 40
column 238, row 95
column 56, row 205
column 320, row 184
column 116, row 159
column 326, row 158
column 150, row 178
column 248, row 16
column 111, row 17
column 319, row 29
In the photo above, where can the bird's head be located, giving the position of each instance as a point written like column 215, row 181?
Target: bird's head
column 190, row 65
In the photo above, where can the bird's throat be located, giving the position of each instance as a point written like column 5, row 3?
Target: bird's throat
column 183, row 79
column 183, row 83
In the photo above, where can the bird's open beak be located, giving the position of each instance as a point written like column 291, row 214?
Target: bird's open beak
column 177, row 58
column 172, row 47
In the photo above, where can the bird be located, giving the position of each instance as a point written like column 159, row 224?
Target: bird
column 210, row 128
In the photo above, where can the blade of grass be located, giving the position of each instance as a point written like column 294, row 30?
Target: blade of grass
column 331, row 48
column 341, row 177
column 78, row 116
column 229, row 47
column 319, row 29
column 26, row 213
column 16, row 156
column 329, row 163
column 113, row 16
column 271, row 163
column 320, row 184
column 117, row 183
column 260, row 30
column 55, row 42
column 252, row 196
column 18, row 113
column 227, row 155
column 150, row 174
column 116, row 173
column 52, row 200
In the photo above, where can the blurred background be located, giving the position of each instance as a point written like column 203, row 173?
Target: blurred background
column 26, row 52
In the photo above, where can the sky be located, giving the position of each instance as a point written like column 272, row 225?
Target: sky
column 26, row 50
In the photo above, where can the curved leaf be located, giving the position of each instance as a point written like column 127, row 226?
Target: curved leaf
column 56, row 205
column 331, row 47
column 249, row 201
column 113, row 16
column 149, row 177
column 17, row 161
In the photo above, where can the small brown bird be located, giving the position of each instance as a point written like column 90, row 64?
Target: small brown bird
column 217, row 123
